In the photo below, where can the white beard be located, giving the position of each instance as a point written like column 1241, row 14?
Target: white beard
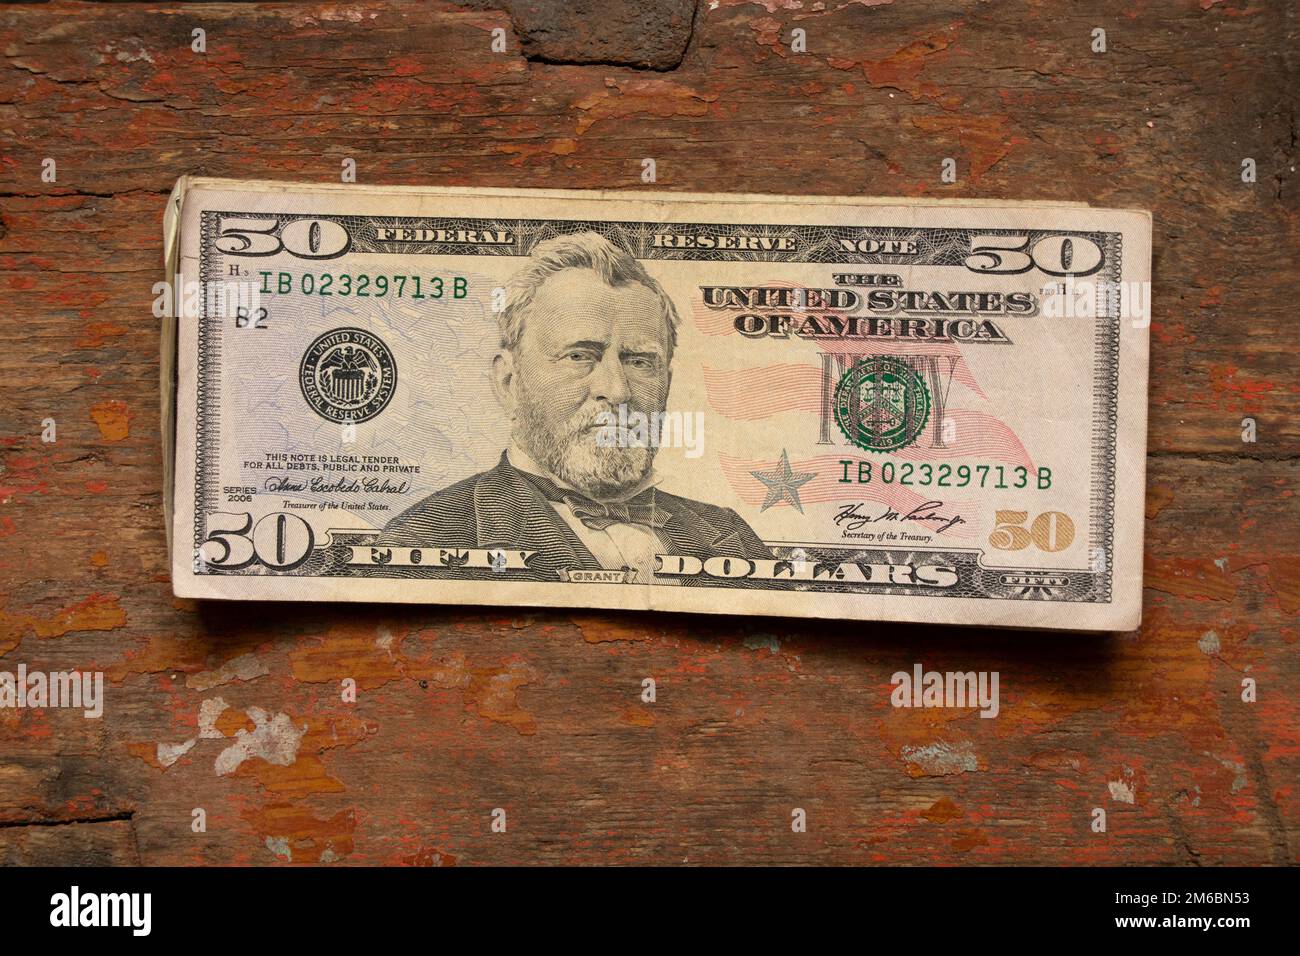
column 570, row 451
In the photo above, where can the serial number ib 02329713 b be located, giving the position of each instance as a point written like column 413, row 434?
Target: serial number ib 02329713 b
column 364, row 285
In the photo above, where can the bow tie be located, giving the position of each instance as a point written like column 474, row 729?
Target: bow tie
column 599, row 516
column 594, row 514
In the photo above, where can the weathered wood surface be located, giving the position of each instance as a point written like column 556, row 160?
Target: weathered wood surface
column 237, row 709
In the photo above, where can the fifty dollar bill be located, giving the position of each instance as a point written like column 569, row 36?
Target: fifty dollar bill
column 814, row 407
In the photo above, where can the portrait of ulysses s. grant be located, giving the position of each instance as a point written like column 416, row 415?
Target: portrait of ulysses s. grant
column 585, row 330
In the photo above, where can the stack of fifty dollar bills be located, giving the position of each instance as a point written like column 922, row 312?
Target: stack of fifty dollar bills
column 872, row 409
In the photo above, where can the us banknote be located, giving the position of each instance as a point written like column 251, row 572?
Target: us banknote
column 871, row 409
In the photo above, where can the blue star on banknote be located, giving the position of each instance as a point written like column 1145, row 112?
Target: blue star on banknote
column 782, row 483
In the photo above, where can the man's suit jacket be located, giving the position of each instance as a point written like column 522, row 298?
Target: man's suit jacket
column 500, row 507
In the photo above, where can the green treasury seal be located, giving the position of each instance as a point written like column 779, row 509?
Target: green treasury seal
column 882, row 404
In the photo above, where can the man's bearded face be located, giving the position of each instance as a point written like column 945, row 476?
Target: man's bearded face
column 571, row 449
column 588, row 348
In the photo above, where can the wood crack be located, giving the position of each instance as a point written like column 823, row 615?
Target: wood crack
column 127, row 816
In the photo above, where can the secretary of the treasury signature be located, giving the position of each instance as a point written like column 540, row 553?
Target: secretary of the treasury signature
column 850, row 518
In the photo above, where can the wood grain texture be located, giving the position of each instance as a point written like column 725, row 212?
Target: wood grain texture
column 237, row 709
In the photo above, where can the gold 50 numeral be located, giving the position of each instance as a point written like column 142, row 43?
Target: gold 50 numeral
column 1050, row 531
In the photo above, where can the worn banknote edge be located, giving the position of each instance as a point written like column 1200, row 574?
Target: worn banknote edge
column 608, row 195
column 1130, row 468
column 167, row 352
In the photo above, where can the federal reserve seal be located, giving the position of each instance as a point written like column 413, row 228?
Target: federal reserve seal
column 348, row 375
column 882, row 404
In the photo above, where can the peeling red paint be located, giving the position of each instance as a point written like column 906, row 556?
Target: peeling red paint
column 1158, row 498
column 96, row 333
column 943, row 810
column 986, row 139
column 294, row 834
column 1236, row 392
column 620, row 99
column 113, row 419
column 99, row 612
column 1189, row 577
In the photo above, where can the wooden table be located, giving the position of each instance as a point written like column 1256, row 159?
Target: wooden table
column 237, row 709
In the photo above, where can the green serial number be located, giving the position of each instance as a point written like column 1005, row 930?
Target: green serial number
column 365, row 286
column 926, row 475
